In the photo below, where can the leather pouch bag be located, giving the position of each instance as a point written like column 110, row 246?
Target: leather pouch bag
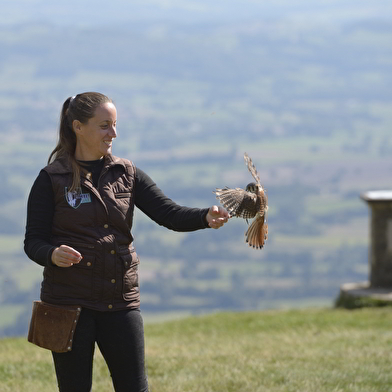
column 52, row 326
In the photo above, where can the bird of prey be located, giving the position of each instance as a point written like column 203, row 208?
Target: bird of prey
column 248, row 203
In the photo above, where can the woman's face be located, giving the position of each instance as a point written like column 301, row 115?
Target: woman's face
column 94, row 139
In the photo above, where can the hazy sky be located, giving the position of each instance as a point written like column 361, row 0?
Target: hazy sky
column 120, row 12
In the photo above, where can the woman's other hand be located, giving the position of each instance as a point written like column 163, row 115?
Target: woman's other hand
column 65, row 256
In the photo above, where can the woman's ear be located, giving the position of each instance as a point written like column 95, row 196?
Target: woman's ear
column 77, row 127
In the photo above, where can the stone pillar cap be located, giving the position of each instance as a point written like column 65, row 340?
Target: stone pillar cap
column 383, row 195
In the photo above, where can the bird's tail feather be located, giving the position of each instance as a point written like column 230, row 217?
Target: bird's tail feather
column 257, row 233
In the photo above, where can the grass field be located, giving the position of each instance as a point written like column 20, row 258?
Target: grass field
column 311, row 350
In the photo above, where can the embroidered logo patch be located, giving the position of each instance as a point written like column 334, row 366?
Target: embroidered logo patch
column 76, row 198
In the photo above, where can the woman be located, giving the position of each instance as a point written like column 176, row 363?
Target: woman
column 79, row 220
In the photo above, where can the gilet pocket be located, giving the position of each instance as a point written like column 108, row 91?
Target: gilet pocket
column 130, row 288
column 76, row 281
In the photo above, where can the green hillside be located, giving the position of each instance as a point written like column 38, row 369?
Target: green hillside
column 309, row 99
column 312, row 350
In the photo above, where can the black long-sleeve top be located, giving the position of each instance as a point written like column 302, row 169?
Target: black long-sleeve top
column 148, row 198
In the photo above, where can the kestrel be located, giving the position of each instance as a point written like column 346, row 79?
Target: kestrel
column 248, row 203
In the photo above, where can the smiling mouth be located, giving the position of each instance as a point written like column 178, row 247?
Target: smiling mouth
column 108, row 143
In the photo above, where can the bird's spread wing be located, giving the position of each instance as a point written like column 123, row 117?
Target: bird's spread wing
column 252, row 168
column 238, row 202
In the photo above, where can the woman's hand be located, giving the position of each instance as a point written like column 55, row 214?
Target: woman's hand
column 217, row 217
column 65, row 256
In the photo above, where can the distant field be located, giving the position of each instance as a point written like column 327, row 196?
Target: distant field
column 9, row 313
column 309, row 102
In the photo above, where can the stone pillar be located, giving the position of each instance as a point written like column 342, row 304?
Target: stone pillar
column 380, row 252
column 377, row 291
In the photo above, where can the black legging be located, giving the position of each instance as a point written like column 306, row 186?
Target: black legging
column 120, row 338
